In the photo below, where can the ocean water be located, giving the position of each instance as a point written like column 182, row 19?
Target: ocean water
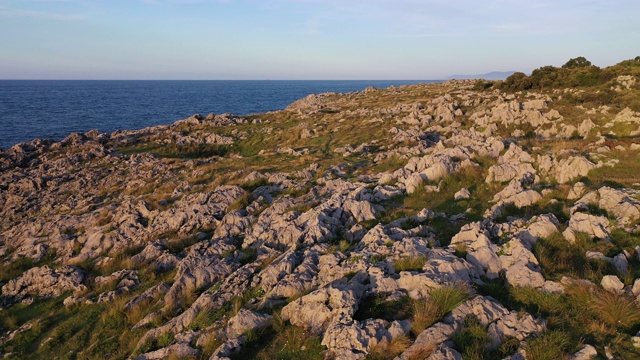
column 52, row 109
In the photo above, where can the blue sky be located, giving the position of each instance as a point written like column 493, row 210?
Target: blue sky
column 307, row 39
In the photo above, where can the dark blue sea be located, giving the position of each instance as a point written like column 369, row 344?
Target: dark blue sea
column 52, row 109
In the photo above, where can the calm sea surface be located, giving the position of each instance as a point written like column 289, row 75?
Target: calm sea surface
column 52, row 109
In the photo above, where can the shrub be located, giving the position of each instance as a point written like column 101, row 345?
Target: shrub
column 461, row 251
column 580, row 61
column 516, row 82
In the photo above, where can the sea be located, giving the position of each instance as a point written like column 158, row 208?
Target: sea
column 52, row 109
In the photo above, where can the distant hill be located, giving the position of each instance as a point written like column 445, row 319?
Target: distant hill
column 494, row 75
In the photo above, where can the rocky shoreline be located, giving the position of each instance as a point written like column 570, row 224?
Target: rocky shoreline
column 214, row 230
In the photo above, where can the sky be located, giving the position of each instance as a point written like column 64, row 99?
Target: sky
column 307, row 39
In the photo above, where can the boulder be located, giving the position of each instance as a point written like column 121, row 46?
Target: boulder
column 180, row 350
column 246, row 320
column 586, row 352
column 462, row 194
column 612, row 283
column 592, row 225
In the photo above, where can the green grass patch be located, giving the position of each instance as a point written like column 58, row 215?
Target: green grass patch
column 558, row 257
column 412, row 263
column 623, row 174
column 81, row 331
column 192, row 151
column 551, row 345
column 254, row 184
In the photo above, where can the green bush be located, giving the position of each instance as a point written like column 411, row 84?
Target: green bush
column 576, row 63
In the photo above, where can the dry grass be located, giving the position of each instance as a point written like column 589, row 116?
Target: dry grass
column 425, row 314
column 210, row 345
column 137, row 313
column 241, row 202
column 615, row 309
column 421, row 353
column 387, row 350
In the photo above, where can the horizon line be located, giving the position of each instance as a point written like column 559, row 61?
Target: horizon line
column 62, row 79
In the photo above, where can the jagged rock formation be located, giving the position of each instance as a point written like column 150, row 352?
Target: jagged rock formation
column 207, row 234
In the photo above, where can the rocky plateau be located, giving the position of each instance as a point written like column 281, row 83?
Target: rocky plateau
column 433, row 221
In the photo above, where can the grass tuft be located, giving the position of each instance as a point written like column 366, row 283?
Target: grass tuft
column 387, row 350
column 615, row 309
column 552, row 345
column 415, row 263
column 440, row 302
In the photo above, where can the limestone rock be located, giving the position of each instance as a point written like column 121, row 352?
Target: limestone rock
column 592, row 225
column 181, row 350
column 612, row 283
column 616, row 202
column 352, row 339
column 462, row 194
column 571, row 168
column 500, row 321
column 316, row 310
column 585, row 353
column 46, row 282
column 577, row 191
column 432, row 337
column 480, row 251
column 516, row 194
column 244, row 321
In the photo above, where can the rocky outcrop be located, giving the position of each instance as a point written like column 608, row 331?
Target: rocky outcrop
column 46, row 282
column 499, row 322
column 515, row 163
column 481, row 252
column 592, row 225
column 518, row 193
column 616, row 202
column 317, row 310
column 569, row 169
